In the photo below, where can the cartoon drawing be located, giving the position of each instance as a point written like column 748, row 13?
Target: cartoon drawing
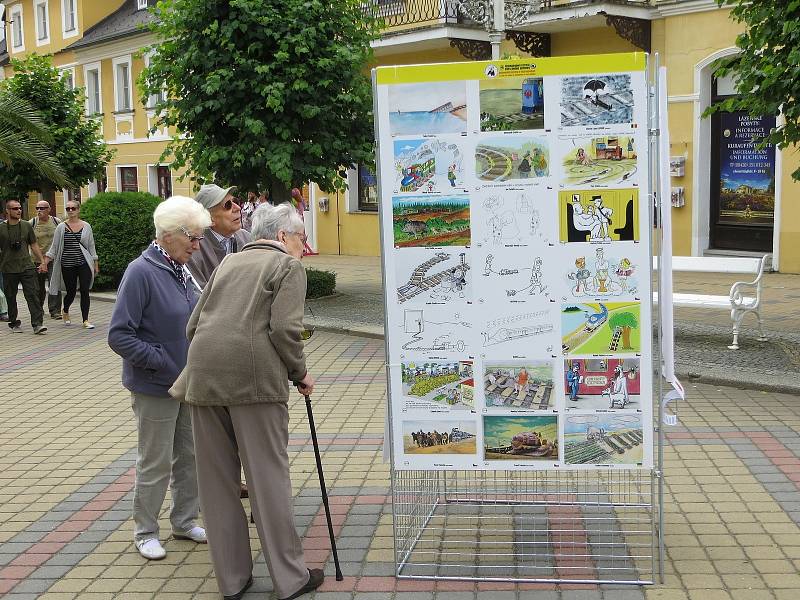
column 439, row 437
column 603, row 439
column 596, row 100
column 438, row 384
column 431, row 221
column 602, row 275
column 449, row 281
column 602, row 383
column 509, row 222
column 434, row 336
column 520, row 438
column 530, row 278
column 430, row 165
column 508, row 329
column 601, row 328
column 600, row 161
column 517, row 384
column 505, row 158
column 512, row 103
column 429, row 108
column 599, row 216
column 579, row 276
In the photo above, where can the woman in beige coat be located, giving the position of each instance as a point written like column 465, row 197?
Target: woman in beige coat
column 239, row 407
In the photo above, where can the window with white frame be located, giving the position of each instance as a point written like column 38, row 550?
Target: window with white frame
column 154, row 99
column 68, row 76
column 122, row 84
column 42, row 13
column 17, row 30
column 141, row 4
column 91, row 75
column 69, row 17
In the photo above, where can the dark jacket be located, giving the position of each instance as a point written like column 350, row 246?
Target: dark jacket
column 252, row 308
column 211, row 253
column 148, row 325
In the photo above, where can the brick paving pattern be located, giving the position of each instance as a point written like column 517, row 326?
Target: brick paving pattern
column 67, row 448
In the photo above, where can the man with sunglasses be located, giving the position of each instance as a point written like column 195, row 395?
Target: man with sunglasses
column 225, row 236
column 17, row 243
column 44, row 226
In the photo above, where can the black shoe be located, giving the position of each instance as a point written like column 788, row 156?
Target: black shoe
column 315, row 579
column 55, row 316
column 242, row 592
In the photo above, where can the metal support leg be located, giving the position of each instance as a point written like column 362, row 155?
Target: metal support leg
column 737, row 321
column 761, row 336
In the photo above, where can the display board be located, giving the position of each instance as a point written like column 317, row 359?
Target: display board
column 515, row 228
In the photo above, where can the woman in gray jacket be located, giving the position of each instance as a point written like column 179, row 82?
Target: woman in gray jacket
column 240, row 411
column 74, row 259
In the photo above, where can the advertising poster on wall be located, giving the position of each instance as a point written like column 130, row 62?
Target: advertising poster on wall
column 516, row 251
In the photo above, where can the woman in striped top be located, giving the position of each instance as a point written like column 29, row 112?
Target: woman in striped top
column 75, row 260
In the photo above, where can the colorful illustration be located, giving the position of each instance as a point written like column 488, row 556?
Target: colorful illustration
column 439, row 278
column 599, row 216
column 512, row 218
column 598, row 273
column 518, row 384
column 427, row 384
column 596, row 100
column 602, row 383
column 428, row 165
column 603, row 439
column 439, row 437
column 512, row 157
column 511, row 103
column 430, row 108
column 430, row 221
column 520, row 438
column 601, row 328
column 600, row 160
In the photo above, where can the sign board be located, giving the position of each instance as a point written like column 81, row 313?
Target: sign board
column 516, row 251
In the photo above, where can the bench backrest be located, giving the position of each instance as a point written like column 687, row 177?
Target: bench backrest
column 715, row 264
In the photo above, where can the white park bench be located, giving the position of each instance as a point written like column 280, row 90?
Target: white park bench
column 744, row 297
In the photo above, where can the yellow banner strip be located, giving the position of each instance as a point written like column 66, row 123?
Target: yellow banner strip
column 529, row 67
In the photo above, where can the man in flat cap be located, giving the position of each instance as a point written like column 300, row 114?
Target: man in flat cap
column 225, row 236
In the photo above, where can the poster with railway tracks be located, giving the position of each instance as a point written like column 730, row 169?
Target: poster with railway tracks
column 516, row 253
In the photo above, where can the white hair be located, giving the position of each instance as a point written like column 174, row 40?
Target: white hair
column 179, row 211
column 268, row 220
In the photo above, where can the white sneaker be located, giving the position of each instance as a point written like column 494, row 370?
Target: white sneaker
column 196, row 534
column 87, row 325
column 151, row 549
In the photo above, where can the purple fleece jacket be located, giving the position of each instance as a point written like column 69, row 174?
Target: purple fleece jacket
column 148, row 325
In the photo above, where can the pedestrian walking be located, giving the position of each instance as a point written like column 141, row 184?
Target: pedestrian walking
column 74, row 261
column 44, row 226
column 224, row 236
column 17, row 243
column 247, row 209
column 148, row 330
column 240, row 414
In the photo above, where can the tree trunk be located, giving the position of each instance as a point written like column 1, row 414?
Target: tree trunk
column 626, row 338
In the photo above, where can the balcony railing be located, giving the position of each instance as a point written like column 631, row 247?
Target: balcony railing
column 396, row 15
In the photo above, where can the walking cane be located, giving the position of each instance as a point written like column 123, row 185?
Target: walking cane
column 339, row 576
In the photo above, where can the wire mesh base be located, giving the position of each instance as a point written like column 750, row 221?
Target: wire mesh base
column 542, row 526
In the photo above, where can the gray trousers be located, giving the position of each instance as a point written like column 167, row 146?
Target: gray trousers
column 257, row 434
column 166, row 457
column 53, row 300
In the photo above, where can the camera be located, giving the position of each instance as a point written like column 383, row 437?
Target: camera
column 16, row 245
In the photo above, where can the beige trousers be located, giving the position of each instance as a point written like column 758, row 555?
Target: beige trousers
column 257, row 434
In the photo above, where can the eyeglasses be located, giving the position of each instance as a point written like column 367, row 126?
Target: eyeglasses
column 188, row 234
column 229, row 204
column 13, row 208
column 302, row 234
column 42, row 207
column 72, row 208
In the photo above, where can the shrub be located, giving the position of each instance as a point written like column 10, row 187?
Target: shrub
column 320, row 283
column 123, row 226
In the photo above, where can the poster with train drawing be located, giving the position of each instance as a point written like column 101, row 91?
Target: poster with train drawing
column 599, row 216
column 516, row 257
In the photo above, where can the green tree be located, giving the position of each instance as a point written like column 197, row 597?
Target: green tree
column 271, row 93
column 767, row 70
column 76, row 143
column 25, row 139
column 626, row 321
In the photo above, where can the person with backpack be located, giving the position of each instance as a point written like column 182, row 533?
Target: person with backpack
column 44, row 226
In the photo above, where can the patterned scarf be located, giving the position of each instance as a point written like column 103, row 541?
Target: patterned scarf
column 176, row 268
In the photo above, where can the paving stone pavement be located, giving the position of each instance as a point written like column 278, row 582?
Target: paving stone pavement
column 67, row 448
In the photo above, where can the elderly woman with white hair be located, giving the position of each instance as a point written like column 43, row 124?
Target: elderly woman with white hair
column 148, row 330
column 240, row 414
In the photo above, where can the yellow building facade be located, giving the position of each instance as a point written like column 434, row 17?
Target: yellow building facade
column 98, row 43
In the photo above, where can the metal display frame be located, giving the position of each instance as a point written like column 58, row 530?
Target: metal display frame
column 545, row 526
